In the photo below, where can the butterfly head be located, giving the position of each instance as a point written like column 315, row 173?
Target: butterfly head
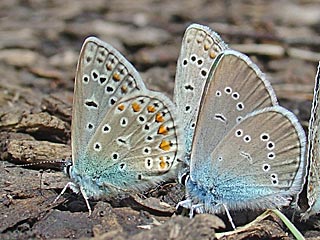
column 67, row 167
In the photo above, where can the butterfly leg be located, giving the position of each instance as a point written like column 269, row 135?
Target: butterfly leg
column 185, row 204
column 195, row 208
column 84, row 195
column 229, row 216
column 70, row 185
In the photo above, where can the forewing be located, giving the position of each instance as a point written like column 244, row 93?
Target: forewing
column 200, row 46
column 235, row 88
column 103, row 77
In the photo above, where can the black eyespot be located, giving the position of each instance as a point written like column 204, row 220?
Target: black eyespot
column 185, row 62
column 189, row 87
column 193, row 58
column 204, row 73
column 90, row 126
column 97, row 146
column 141, row 118
column 86, row 79
column 266, row 167
column 106, row 128
column 102, row 80
column 91, row 104
column 240, row 106
column 270, row 145
column 109, row 89
column 200, row 61
column 94, row 75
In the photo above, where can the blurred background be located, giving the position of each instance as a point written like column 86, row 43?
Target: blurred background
column 39, row 46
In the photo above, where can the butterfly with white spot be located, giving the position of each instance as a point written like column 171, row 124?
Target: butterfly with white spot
column 313, row 154
column 244, row 150
column 124, row 137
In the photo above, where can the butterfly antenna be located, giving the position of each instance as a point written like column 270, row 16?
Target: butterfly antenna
column 63, row 163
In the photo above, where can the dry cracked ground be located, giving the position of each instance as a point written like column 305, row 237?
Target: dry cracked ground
column 39, row 46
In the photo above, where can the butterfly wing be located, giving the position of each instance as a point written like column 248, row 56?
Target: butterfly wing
column 103, row 77
column 200, row 46
column 259, row 163
column 235, row 88
column 313, row 155
column 135, row 146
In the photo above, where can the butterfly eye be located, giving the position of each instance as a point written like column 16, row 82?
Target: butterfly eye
column 183, row 178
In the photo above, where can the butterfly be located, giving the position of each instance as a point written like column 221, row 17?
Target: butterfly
column 124, row 137
column 313, row 180
column 243, row 150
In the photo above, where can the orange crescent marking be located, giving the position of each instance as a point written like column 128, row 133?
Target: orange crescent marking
column 116, row 77
column 121, row 107
column 159, row 117
column 151, row 109
column 136, row 107
column 165, row 145
column 163, row 130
